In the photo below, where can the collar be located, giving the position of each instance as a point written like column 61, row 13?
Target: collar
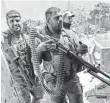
column 16, row 35
column 48, row 32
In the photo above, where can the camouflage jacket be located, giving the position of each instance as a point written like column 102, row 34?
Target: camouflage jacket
column 19, row 46
column 71, row 65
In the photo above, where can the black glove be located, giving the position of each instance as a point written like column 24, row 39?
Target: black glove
column 97, row 66
column 82, row 49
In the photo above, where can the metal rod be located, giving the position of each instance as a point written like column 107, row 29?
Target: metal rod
column 100, row 78
column 88, row 65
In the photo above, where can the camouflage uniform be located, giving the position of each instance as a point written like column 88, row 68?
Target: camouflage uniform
column 72, row 87
column 12, row 41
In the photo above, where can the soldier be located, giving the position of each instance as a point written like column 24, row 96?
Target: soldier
column 67, row 22
column 76, row 94
column 71, row 86
column 14, row 39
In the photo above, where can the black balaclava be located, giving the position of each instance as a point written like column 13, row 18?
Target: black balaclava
column 66, row 25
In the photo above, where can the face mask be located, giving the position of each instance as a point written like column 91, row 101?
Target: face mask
column 66, row 25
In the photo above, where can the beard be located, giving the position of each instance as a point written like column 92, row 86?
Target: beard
column 16, row 29
column 66, row 25
column 57, row 28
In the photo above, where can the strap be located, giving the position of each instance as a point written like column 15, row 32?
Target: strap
column 9, row 37
column 75, row 46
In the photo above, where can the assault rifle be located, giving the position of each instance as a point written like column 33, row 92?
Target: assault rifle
column 31, row 83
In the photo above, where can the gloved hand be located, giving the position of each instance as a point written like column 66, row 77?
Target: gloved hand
column 44, row 49
column 82, row 49
column 44, row 46
column 97, row 66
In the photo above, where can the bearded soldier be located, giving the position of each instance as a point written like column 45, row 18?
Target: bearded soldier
column 75, row 92
column 55, row 62
column 15, row 41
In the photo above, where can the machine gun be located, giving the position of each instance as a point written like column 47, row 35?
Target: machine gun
column 91, row 69
column 18, row 62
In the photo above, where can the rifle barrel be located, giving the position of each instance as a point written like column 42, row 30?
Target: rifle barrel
column 88, row 65
column 100, row 78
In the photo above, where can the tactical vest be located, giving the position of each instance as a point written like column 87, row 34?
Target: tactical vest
column 74, row 41
column 7, row 44
column 52, row 64
column 21, row 47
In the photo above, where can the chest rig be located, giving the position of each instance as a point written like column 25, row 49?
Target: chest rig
column 36, row 58
column 21, row 49
column 24, row 53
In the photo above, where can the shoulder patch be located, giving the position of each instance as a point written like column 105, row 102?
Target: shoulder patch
column 5, row 34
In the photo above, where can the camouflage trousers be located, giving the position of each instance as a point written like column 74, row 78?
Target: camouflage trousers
column 73, row 90
column 23, row 91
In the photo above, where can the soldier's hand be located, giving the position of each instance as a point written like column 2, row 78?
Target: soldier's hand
column 97, row 66
column 47, row 45
column 82, row 49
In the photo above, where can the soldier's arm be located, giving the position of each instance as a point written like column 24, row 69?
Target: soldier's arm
column 2, row 42
column 2, row 38
column 67, row 44
column 4, row 47
column 64, row 40
column 43, row 51
column 8, row 52
column 81, row 48
column 76, row 39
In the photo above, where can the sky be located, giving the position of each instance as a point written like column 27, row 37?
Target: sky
column 31, row 9
column 36, row 9
column 28, row 9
